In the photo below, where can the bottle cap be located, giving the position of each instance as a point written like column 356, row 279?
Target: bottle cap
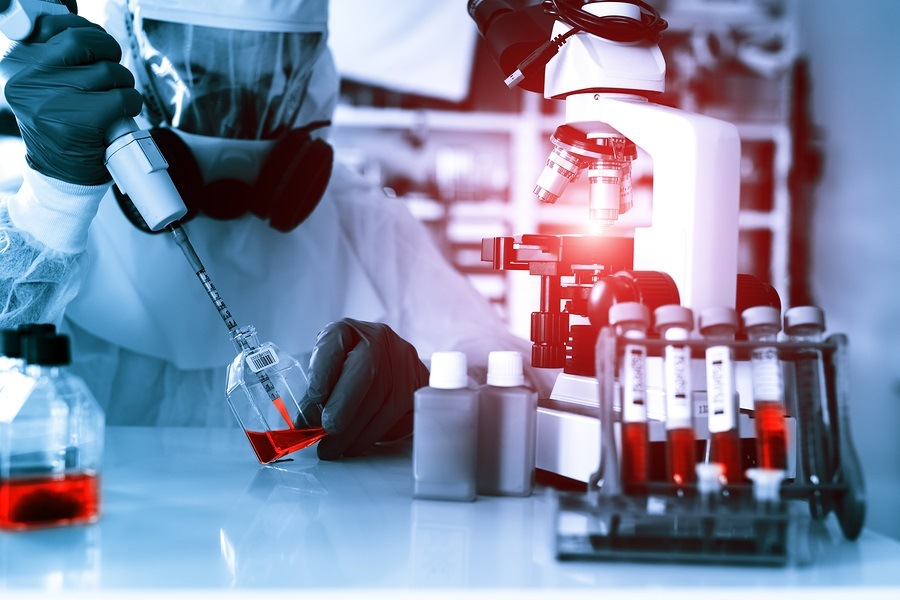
column 761, row 315
column 804, row 316
column 505, row 369
column 718, row 316
column 622, row 312
column 448, row 371
column 11, row 343
column 673, row 315
column 709, row 477
column 46, row 350
column 38, row 328
column 766, row 484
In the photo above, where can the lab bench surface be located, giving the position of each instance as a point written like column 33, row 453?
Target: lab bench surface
column 190, row 510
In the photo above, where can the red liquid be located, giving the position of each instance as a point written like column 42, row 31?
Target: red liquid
column 771, row 439
column 725, row 449
column 270, row 445
column 681, row 455
column 282, row 410
column 48, row 501
column 635, row 457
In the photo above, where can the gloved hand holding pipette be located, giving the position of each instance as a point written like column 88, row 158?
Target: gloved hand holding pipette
column 66, row 87
column 365, row 375
column 143, row 332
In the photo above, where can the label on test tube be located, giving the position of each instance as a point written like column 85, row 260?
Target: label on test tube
column 678, row 387
column 720, row 389
column 634, row 394
column 262, row 358
column 768, row 383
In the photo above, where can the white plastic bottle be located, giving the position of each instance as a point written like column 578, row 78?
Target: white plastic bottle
column 445, row 432
column 507, row 418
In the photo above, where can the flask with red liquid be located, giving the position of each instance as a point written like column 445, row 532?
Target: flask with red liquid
column 631, row 320
column 762, row 324
column 264, row 388
column 721, row 323
column 51, row 442
column 674, row 324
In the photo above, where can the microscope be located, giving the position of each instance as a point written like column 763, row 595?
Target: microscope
column 602, row 60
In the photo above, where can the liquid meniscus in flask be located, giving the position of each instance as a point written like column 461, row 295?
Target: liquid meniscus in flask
column 66, row 499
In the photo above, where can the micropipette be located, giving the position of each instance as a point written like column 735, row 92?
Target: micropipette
column 181, row 239
column 140, row 171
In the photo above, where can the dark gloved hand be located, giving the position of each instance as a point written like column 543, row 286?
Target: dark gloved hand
column 66, row 87
column 365, row 376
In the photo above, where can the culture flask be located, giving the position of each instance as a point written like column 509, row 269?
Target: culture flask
column 264, row 388
column 51, row 442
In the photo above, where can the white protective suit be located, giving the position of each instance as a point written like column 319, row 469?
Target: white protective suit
column 144, row 334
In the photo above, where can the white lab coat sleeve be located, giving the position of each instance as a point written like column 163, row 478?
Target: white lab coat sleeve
column 430, row 303
column 43, row 236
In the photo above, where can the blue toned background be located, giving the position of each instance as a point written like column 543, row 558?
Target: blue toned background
column 855, row 255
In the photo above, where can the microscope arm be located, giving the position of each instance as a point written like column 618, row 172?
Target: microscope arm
column 696, row 189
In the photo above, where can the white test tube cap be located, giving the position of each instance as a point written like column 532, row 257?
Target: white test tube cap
column 709, row 477
column 673, row 315
column 766, row 483
column 804, row 316
column 761, row 315
column 505, row 369
column 623, row 312
column 448, row 370
column 718, row 316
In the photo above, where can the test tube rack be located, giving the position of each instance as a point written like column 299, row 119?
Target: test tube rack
column 665, row 522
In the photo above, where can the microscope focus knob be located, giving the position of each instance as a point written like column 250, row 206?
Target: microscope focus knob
column 651, row 288
column 549, row 334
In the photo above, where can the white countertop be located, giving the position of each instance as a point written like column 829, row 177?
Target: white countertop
column 191, row 510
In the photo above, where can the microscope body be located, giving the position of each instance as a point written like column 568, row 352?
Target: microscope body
column 688, row 254
column 693, row 236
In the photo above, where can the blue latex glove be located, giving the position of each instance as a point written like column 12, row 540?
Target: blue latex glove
column 365, row 376
column 66, row 87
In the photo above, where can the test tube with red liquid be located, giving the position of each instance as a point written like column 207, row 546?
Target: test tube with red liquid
column 762, row 324
column 674, row 324
column 721, row 323
column 631, row 320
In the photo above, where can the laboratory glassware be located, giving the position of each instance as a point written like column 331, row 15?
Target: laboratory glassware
column 674, row 324
column 762, row 324
column 631, row 320
column 265, row 388
column 721, row 323
column 51, row 443
column 445, row 432
column 507, row 420
column 807, row 324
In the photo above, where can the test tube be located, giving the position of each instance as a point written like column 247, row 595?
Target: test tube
column 721, row 323
column 762, row 324
column 807, row 324
column 631, row 320
column 674, row 324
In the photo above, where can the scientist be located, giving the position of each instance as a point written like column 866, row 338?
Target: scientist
column 298, row 245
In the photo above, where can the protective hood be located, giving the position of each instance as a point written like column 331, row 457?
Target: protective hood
column 291, row 15
column 252, row 15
